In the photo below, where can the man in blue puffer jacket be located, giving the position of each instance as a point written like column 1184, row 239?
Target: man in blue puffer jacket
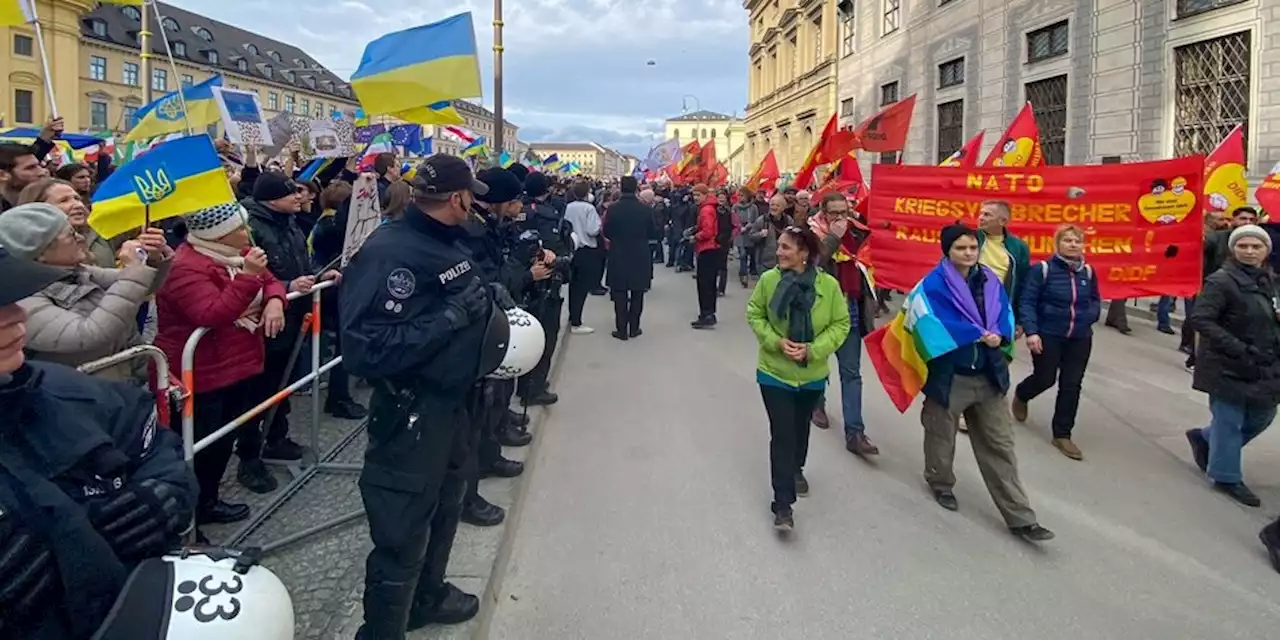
column 1059, row 305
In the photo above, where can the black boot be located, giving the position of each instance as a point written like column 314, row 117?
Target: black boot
column 481, row 513
column 1270, row 537
column 450, row 605
column 386, row 611
column 346, row 410
column 514, row 437
column 542, row 399
column 502, row 468
column 256, row 477
column 222, row 513
column 283, row 449
column 704, row 322
column 515, row 419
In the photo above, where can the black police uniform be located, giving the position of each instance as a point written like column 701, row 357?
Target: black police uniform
column 422, row 364
column 90, row 484
column 545, row 300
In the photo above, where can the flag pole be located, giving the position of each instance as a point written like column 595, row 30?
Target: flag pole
column 164, row 37
column 44, row 59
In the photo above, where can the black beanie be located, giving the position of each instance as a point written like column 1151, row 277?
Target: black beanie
column 536, row 185
column 627, row 184
column 503, row 186
column 519, row 171
column 954, row 232
column 272, row 185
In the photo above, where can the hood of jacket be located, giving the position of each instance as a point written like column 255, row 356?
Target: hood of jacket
column 709, row 199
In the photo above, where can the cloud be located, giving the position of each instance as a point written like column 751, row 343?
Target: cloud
column 571, row 68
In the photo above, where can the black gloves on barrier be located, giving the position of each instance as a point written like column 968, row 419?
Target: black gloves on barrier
column 467, row 306
column 502, row 297
column 139, row 520
column 28, row 573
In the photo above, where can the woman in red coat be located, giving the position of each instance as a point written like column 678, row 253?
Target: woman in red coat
column 219, row 280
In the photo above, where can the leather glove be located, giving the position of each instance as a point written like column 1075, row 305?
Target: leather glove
column 467, row 306
column 139, row 520
column 28, row 574
column 502, row 297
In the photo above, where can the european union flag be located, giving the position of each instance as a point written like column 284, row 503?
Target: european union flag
column 174, row 178
column 408, row 136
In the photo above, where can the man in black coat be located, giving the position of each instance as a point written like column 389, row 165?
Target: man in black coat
column 629, row 227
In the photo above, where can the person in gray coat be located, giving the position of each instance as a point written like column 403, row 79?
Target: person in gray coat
column 92, row 312
column 765, row 230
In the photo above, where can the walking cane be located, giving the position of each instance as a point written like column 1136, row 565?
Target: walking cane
column 288, row 373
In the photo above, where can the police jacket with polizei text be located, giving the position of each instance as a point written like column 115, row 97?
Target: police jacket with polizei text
column 490, row 240
column 67, row 441
column 394, row 295
column 551, row 226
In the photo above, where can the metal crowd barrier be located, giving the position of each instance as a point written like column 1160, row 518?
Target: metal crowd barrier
column 318, row 463
column 161, row 363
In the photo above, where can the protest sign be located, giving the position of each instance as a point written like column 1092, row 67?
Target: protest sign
column 365, row 216
column 1142, row 221
column 242, row 117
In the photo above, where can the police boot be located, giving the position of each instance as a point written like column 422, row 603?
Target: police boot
column 386, row 611
column 514, row 437
column 479, row 512
column 446, row 604
column 517, row 419
column 502, row 468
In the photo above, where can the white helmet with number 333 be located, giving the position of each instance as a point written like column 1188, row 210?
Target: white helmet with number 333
column 525, row 347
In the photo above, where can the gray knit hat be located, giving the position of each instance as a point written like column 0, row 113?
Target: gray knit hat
column 216, row 222
column 28, row 229
column 1249, row 231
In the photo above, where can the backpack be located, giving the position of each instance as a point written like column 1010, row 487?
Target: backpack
column 724, row 226
column 1044, row 271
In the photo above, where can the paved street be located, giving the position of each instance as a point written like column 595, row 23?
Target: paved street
column 646, row 512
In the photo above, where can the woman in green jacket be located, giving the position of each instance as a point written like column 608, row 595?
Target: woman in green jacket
column 800, row 318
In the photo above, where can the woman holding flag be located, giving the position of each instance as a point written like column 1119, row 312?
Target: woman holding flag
column 799, row 317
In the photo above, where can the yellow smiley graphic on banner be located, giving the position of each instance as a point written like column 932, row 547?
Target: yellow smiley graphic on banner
column 1169, row 202
column 1226, row 187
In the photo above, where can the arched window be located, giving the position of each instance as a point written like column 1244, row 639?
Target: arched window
column 204, row 34
column 808, row 137
column 132, row 13
column 713, row 133
column 693, row 133
column 251, row 48
column 169, row 24
column 704, row 133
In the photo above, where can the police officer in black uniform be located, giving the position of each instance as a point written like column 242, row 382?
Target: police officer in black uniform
column 415, row 312
column 90, row 482
column 545, row 299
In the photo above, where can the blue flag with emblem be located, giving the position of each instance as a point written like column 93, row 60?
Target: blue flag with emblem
column 172, row 179
column 166, row 115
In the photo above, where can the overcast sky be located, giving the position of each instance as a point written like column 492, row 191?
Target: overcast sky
column 575, row 69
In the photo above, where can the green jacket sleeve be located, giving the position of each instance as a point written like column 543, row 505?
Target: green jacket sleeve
column 758, row 317
column 837, row 330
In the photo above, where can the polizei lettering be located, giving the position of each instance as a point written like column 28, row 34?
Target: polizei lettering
column 455, row 271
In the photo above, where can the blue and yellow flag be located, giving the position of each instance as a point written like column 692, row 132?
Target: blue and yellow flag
column 505, row 160
column 441, row 112
column 165, row 116
column 175, row 178
column 405, row 70
column 15, row 12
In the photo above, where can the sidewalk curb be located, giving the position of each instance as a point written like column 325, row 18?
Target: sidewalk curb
column 493, row 586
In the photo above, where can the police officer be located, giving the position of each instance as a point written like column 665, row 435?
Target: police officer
column 545, row 300
column 415, row 311
column 90, row 483
column 489, row 241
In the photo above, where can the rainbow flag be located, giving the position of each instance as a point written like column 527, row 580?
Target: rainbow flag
column 938, row 317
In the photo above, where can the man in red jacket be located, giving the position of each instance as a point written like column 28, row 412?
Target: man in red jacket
column 710, row 254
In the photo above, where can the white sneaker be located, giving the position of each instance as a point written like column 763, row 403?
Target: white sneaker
column 581, row 330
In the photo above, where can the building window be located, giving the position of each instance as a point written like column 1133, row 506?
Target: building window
column 848, row 33
column 846, row 107
column 242, row 65
column 251, row 48
column 129, row 74
column 794, row 49
column 97, row 68
column 180, row 49
column 160, row 79
column 713, row 134
column 267, row 71
column 273, row 100
column 169, row 24
column 1048, row 100
column 23, row 106
column 288, row 103
column 888, row 94
column 892, row 15
column 693, row 133
column 187, row 80
column 132, row 13
column 704, row 133
column 319, row 109
column 99, row 28
column 204, row 34
column 817, row 40
column 1048, row 42
column 130, row 114
column 1211, row 92
column 950, row 128
column 1188, row 8
column 97, row 114
column 212, row 56
column 275, row 55
column 23, row 45
column 951, row 74
column 305, row 105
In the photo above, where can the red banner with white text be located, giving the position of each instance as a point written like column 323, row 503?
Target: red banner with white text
column 1142, row 221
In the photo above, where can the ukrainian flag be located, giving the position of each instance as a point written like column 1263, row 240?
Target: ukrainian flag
column 407, row 69
column 165, row 116
column 174, row 178
column 15, row 12
column 440, row 113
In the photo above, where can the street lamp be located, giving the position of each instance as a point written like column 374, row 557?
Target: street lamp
column 497, row 78
column 684, row 102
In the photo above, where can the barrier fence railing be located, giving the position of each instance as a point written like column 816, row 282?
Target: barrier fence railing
column 151, row 352
column 318, row 462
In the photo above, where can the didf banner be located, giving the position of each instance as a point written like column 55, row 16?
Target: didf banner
column 1142, row 221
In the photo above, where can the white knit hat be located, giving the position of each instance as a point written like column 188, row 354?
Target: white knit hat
column 1249, row 231
column 216, row 222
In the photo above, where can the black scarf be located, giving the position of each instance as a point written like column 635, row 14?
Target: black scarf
column 793, row 300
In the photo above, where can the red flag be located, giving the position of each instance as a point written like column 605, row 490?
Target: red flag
column 698, row 168
column 966, row 156
column 1268, row 193
column 831, row 146
column 1020, row 144
column 844, row 177
column 766, row 175
column 1225, row 185
column 887, row 131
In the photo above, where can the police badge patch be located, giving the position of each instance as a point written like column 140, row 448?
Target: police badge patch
column 401, row 283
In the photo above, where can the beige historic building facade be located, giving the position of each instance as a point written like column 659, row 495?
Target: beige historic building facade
column 726, row 131
column 792, row 78
column 596, row 160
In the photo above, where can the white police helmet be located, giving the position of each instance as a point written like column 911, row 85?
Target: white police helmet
column 525, row 346
column 207, row 594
